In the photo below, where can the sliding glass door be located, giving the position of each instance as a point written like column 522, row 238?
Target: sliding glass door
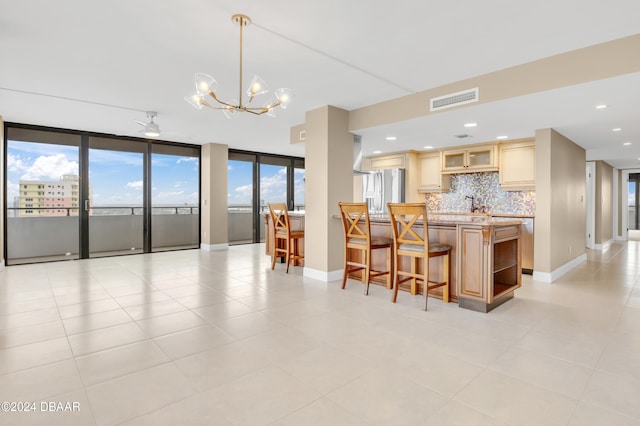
column 115, row 202
column 241, row 212
column 175, row 212
column 73, row 195
column 42, row 187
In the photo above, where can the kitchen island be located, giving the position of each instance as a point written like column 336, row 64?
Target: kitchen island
column 485, row 261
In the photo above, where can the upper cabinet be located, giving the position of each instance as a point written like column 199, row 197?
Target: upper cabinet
column 392, row 161
column 471, row 159
column 518, row 165
column 430, row 177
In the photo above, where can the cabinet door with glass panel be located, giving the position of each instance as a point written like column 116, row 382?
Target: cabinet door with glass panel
column 472, row 159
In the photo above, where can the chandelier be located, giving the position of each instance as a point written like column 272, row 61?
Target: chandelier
column 207, row 85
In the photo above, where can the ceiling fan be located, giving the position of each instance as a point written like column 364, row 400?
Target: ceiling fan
column 151, row 129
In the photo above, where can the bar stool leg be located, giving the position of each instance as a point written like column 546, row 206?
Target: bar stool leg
column 389, row 268
column 414, row 269
column 447, row 274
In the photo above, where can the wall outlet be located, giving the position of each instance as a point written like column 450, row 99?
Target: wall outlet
column 570, row 249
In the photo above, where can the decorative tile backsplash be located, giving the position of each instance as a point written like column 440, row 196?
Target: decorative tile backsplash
column 485, row 187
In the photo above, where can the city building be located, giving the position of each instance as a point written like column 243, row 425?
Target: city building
column 49, row 198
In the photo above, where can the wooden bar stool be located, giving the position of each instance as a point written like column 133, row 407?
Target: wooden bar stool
column 285, row 239
column 405, row 221
column 357, row 236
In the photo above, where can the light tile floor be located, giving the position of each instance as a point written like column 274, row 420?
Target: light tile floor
column 194, row 337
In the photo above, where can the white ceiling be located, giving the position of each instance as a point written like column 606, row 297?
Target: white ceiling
column 126, row 57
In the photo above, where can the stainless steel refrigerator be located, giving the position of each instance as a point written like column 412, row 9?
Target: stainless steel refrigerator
column 381, row 187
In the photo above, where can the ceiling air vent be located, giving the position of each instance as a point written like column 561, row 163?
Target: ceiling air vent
column 303, row 135
column 455, row 99
column 462, row 136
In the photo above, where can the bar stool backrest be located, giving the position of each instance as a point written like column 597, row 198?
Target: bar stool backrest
column 403, row 219
column 279, row 217
column 351, row 214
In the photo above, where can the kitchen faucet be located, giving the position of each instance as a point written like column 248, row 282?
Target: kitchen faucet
column 474, row 208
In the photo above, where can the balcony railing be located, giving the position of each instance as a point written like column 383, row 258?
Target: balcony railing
column 112, row 230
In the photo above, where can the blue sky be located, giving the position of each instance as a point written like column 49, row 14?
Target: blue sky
column 273, row 184
column 115, row 177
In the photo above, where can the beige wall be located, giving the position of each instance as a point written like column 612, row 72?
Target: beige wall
column 328, row 180
column 610, row 59
column 213, row 187
column 560, row 201
column 604, row 203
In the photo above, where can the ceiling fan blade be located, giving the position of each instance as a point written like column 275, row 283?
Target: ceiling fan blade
column 142, row 123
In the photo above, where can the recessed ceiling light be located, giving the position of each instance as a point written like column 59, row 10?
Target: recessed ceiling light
column 377, row 152
column 626, row 143
column 502, row 137
column 617, row 129
column 391, row 138
column 603, row 106
column 428, row 147
column 470, row 124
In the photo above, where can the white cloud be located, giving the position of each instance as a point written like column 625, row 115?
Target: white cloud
column 15, row 164
column 50, row 167
column 274, row 187
column 244, row 190
column 186, row 160
column 135, row 185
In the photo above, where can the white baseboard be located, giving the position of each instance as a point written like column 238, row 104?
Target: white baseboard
column 323, row 276
column 2, row 265
column 620, row 238
column 214, row 247
column 603, row 246
column 549, row 277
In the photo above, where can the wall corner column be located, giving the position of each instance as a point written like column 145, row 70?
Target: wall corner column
column 213, row 191
column 328, row 180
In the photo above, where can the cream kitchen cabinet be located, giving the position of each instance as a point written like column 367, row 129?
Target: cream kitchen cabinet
column 470, row 159
column 518, row 165
column 391, row 161
column 431, row 177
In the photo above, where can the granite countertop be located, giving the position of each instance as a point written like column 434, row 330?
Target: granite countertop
column 524, row 216
column 457, row 219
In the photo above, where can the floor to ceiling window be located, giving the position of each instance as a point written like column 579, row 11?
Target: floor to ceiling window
column 43, row 199
column 116, row 200
column 75, row 195
column 254, row 181
column 175, row 179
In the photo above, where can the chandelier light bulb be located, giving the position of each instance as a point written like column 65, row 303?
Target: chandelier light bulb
column 257, row 87
column 284, row 97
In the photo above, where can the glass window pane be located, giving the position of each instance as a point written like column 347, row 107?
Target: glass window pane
column 273, row 189
column 42, row 196
column 175, row 221
column 116, row 224
column 240, row 201
column 298, row 189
